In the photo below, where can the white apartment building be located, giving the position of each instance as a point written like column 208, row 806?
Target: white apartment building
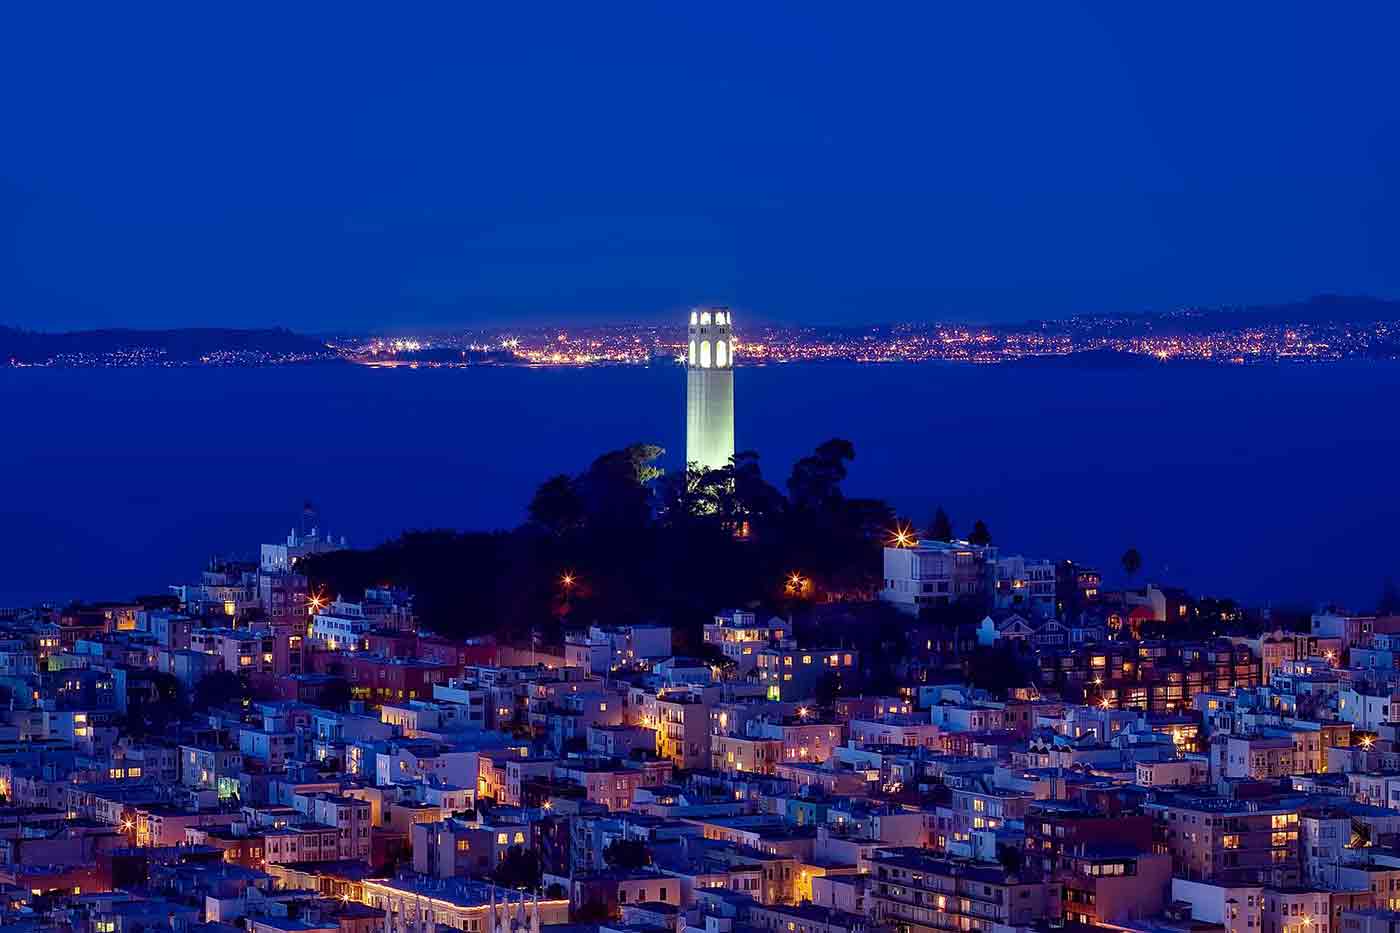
column 938, row 573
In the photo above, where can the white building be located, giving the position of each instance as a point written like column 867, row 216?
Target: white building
column 341, row 626
column 282, row 558
column 938, row 573
column 709, row 389
column 1236, row 908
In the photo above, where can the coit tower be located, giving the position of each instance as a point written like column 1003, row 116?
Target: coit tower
column 709, row 389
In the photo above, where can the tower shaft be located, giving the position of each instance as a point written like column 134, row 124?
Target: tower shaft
column 709, row 395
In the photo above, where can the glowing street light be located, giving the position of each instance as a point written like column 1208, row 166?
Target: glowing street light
column 1104, row 703
column 902, row 536
column 567, row 581
column 1367, row 741
column 802, row 712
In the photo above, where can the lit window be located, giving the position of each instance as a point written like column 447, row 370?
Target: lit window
column 704, row 354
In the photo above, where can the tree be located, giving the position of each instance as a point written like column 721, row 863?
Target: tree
column 1132, row 562
column 556, row 504
column 519, row 869
column 151, row 710
column 941, row 528
column 980, row 534
column 615, row 489
column 219, row 689
column 627, row 854
column 815, row 483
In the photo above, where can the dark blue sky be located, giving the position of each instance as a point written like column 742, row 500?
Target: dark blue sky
column 399, row 166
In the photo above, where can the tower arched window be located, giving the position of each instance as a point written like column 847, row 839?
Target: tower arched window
column 692, row 353
column 704, row 354
column 721, row 354
column 704, row 318
column 693, row 318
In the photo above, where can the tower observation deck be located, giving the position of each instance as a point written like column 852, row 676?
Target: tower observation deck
column 709, row 389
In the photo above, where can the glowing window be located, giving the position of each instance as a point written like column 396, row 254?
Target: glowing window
column 721, row 354
column 693, row 318
column 704, row 354
column 692, row 353
column 704, row 318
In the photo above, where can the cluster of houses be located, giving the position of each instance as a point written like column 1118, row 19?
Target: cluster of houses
column 358, row 774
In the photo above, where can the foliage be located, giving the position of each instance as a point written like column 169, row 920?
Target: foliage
column 519, row 868
column 627, row 854
column 941, row 528
column 557, row 505
column 636, row 546
column 219, row 689
column 1132, row 561
column 153, row 715
column 1001, row 667
column 980, row 534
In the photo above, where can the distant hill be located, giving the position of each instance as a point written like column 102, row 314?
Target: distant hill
column 1320, row 309
column 180, row 345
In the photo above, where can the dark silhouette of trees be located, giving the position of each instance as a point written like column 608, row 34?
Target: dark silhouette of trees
column 636, row 546
column 148, row 714
column 627, row 854
column 520, row 868
column 220, row 689
column 1132, row 562
column 980, row 534
column 815, row 483
column 941, row 528
column 557, row 505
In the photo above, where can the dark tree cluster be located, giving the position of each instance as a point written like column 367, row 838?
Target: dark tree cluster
column 621, row 542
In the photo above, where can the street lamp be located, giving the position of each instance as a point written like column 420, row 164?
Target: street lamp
column 902, row 536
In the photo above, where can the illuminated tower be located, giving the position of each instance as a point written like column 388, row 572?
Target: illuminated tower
column 709, row 389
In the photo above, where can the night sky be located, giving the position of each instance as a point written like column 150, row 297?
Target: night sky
column 402, row 166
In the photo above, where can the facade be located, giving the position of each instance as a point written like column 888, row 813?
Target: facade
column 939, row 573
column 709, row 389
column 916, row 893
column 1228, row 841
